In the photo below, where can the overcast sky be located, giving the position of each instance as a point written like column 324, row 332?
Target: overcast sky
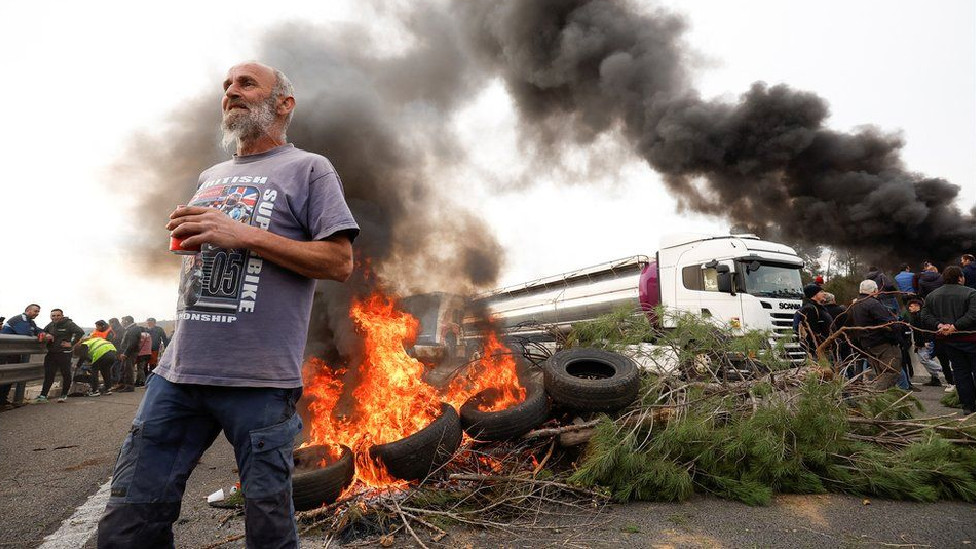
column 83, row 78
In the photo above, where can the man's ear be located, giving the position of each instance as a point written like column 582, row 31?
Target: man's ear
column 286, row 105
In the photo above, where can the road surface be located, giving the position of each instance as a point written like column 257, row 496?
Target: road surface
column 55, row 461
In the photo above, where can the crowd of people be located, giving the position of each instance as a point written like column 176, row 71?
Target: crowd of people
column 121, row 353
column 930, row 314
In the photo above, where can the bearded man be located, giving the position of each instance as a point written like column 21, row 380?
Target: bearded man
column 234, row 361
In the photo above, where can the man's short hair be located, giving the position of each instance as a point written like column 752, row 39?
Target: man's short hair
column 868, row 287
column 283, row 88
column 968, row 257
column 906, row 267
column 58, row 310
column 951, row 274
column 101, row 323
column 31, row 305
column 128, row 319
column 150, row 319
column 916, row 300
column 829, row 298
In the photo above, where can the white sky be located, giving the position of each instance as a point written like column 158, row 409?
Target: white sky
column 82, row 78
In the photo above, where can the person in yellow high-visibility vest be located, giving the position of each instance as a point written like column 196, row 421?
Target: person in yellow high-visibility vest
column 101, row 353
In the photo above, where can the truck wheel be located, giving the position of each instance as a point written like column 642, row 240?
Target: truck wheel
column 414, row 457
column 313, row 485
column 511, row 422
column 591, row 380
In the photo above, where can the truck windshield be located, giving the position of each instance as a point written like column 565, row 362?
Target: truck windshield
column 773, row 280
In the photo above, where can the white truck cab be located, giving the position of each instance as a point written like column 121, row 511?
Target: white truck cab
column 749, row 283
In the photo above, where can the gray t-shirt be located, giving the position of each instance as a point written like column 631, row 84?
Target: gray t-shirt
column 242, row 321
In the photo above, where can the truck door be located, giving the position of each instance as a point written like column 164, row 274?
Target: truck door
column 699, row 294
column 689, row 289
column 724, row 307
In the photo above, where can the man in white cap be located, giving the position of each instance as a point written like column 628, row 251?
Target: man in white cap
column 879, row 344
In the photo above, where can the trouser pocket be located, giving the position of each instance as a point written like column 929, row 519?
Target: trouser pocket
column 127, row 462
column 270, row 464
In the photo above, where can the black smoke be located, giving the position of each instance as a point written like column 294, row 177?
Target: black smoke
column 577, row 69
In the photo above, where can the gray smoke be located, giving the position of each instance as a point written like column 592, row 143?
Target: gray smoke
column 577, row 71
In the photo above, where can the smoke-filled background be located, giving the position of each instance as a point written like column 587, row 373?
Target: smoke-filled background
column 576, row 70
column 596, row 88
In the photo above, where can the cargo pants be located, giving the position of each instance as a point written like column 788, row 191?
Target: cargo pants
column 174, row 425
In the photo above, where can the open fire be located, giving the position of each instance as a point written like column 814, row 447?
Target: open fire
column 392, row 401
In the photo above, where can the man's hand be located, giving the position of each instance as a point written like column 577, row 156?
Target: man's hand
column 196, row 225
column 121, row 357
column 65, row 344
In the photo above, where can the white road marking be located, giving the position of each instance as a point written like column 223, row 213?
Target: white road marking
column 79, row 527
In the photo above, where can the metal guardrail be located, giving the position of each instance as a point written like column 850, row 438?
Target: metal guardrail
column 12, row 368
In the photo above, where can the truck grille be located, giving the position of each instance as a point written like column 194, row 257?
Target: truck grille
column 783, row 328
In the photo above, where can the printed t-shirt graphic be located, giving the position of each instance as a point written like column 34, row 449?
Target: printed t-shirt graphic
column 213, row 279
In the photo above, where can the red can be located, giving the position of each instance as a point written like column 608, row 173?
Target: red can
column 176, row 246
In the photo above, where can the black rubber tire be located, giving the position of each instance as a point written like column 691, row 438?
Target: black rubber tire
column 508, row 423
column 313, row 486
column 416, row 456
column 591, row 380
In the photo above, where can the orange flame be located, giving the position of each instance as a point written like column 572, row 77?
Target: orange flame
column 392, row 401
column 495, row 369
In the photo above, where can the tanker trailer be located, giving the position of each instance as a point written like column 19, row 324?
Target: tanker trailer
column 738, row 280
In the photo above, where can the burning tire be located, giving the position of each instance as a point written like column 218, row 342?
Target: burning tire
column 504, row 424
column 313, row 486
column 591, row 380
column 414, row 457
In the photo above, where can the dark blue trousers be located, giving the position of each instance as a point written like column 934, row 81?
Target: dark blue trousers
column 174, row 425
column 962, row 355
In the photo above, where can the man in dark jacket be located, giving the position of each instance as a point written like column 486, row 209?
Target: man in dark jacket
column 159, row 340
column 880, row 344
column 128, row 354
column 840, row 350
column 969, row 269
column 950, row 310
column 886, row 288
column 928, row 280
column 812, row 322
column 62, row 334
column 22, row 324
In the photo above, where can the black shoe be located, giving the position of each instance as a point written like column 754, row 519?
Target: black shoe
column 140, row 384
column 126, row 389
column 914, row 388
column 934, row 382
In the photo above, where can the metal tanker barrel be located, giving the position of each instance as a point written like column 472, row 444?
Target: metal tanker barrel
column 562, row 300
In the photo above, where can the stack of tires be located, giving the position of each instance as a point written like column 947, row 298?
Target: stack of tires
column 575, row 380
column 591, row 380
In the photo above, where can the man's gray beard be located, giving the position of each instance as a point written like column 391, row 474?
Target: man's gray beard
column 253, row 123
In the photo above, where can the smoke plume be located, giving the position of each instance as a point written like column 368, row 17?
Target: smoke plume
column 766, row 161
column 577, row 71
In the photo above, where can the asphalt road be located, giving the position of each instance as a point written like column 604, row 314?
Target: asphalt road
column 54, row 456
